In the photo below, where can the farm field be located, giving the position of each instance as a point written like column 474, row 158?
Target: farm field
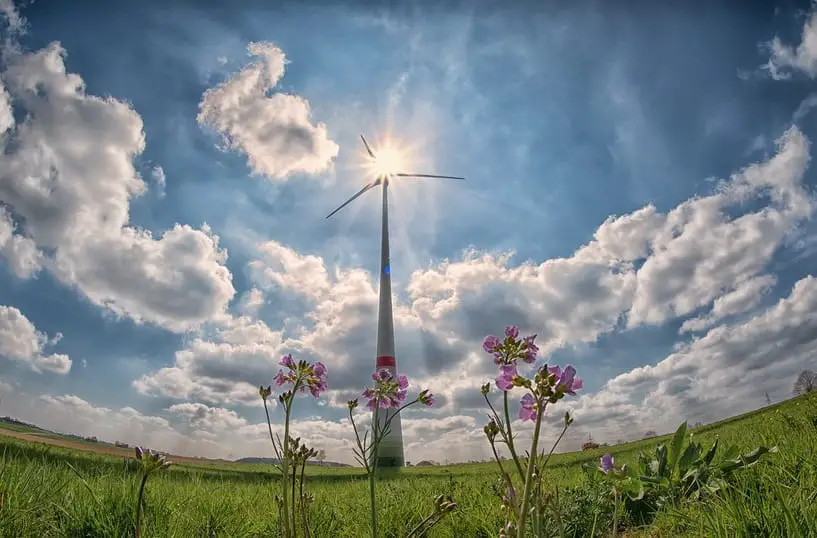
column 51, row 488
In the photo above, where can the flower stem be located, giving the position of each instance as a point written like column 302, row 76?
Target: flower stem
column 285, row 470
column 372, row 503
column 520, row 533
column 615, row 512
column 139, row 504
column 510, row 437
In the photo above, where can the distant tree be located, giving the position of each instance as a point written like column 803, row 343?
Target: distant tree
column 806, row 382
column 321, row 456
column 650, row 433
column 768, row 400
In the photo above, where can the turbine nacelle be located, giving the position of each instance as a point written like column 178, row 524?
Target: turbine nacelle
column 384, row 176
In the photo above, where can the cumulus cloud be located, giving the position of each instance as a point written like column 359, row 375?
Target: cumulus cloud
column 20, row 341
column 275, row 131
column 67, row 179
column 786, row 58
column 746, row 295
column 761, row 354
column 646, row 267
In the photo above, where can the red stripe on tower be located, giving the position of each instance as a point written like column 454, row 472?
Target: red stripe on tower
column 385, row 361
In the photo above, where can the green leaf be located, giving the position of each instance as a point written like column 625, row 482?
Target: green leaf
column 710, row 454
column 661, row 452
column 634, row 489
column 731, row 452
column 689, row 456
column 675, row 447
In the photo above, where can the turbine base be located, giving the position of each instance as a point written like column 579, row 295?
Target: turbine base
column 390, row 462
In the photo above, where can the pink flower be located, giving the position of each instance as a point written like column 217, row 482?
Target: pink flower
column 505, row 379
column 529, row 407
column 426, row 398
column 567, row 381
column 512, row 332
column 531, row 349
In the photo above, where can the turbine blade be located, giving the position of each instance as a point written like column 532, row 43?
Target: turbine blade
column 350, row 200
column 429, row 175
column 368, row 149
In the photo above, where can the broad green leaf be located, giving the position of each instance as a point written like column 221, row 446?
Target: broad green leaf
column 675, row 447
column 661, row 452
column 634, row 489
column 710, row 454
column 731, row 452
column 689, row 456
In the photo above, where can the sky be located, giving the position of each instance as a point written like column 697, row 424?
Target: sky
column 639, row 194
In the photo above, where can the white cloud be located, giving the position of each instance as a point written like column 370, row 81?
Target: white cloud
column 159, row 177
column 275, row 132
column 20, row 341
column 785, row 58
column 696, row 259
column 251, row 302
column 746, row 295
column 20, row 252
column 225, row 367
column 725, row 372
column 67, row 174
column 700, row 252
column 15, row 22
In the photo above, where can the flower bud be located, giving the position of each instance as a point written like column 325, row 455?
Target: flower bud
column 265, row 391
column 426, row 398
column 568, row 419
column 491, row 430
column 486, row 388
column 352, row 404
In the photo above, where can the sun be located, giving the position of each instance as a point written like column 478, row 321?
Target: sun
column 389, row 160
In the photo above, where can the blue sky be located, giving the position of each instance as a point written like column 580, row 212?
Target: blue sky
column 639, row 194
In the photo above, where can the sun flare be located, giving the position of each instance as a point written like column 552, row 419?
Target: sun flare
column 389, row 160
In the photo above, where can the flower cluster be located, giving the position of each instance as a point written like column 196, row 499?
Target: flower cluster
column 389, row 393
column 302, row 376
column 511, row 348
column 150, row 460
column 549, row 384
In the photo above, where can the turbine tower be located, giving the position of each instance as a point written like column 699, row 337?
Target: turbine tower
column 391, row 447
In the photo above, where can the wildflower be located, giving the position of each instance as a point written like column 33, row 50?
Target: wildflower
column 512, row 332
column 529, row 407
column 265, row 391
column 530, row 348
column 607, row 463
column 150, row 460
column 426, row 398
column 302, row 375
column 387, row 392
column 493, row 345
column 566, row 382
column 505, row 380
column 287, row 362
column 491, row 430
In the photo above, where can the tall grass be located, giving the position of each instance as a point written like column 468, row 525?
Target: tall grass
column 52, row 492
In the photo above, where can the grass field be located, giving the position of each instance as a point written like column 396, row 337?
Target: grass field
column 56, row 491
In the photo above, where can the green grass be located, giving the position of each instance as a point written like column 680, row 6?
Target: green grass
column 53, row 492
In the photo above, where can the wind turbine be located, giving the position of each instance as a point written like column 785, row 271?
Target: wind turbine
column 391, row 447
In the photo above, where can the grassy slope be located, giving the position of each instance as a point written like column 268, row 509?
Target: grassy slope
column 42, row 496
